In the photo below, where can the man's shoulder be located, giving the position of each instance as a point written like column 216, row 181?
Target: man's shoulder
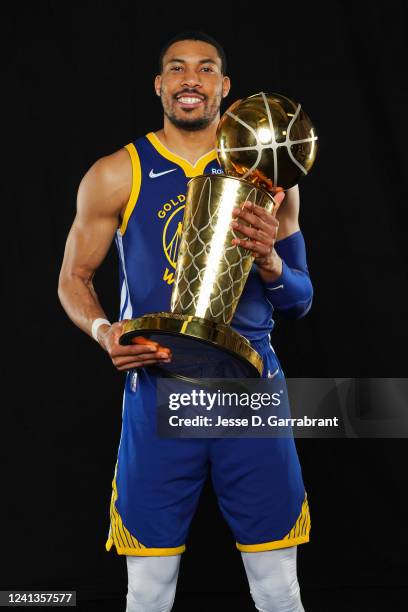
column 114, row 170
column 119, row 158
column 110, row 176
column 113, row 167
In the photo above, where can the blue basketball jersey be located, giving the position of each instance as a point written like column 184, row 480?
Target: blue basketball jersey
column 149, row 237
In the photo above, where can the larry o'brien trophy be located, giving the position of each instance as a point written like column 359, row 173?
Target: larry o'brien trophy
column 265, row 143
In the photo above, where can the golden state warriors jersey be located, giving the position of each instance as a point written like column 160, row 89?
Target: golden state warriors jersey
column 157, row 481
column 149, row 237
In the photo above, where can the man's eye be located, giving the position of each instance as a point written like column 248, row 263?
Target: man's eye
column 207, row 69
column 176, row 68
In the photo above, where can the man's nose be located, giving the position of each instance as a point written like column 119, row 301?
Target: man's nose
column 191, row 79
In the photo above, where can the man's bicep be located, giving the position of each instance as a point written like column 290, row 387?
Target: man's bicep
column 100, row 199
column 288, row 214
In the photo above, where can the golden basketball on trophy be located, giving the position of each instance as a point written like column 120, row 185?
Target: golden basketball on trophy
column 265, row 143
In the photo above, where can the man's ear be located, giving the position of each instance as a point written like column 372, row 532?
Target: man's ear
column 157, row 84
column 226, row 86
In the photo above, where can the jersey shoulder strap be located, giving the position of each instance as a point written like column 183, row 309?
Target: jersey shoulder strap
column 137, row 151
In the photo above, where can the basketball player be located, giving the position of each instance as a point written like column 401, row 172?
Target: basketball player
column 136, row 195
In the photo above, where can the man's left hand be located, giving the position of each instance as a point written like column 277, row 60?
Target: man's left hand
column 260, row 236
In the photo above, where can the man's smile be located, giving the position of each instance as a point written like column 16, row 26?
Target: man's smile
column 189, row 100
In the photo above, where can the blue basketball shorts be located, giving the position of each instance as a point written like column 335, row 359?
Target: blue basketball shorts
column 157, row 481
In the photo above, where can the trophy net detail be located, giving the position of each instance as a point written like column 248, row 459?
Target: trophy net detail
column 211, row 272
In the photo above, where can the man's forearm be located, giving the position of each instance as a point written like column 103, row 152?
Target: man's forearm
column 291, row 291
column 80, row 301
column 273, row 271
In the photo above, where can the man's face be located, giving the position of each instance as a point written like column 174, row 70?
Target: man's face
column 191, row 85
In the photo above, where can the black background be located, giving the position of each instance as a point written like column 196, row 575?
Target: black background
column 83, row 83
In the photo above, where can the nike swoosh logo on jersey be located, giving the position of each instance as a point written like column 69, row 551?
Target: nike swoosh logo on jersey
column 153, row 174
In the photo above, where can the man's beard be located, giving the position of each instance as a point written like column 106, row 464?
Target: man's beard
column 192, row 125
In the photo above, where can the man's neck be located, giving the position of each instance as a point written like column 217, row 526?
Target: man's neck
column 189, row 145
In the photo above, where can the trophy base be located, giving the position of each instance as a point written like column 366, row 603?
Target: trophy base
column 200, row 348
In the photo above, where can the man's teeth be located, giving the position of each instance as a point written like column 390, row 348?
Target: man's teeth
column 186, row 100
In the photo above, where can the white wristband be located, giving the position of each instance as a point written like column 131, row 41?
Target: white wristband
column 96, row 325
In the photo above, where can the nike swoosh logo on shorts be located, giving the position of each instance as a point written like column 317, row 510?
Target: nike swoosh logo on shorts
column 153, row 174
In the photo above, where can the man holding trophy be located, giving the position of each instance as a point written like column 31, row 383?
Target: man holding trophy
column 138, row 196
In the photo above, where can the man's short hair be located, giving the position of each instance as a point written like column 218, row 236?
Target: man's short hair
column 195, row 35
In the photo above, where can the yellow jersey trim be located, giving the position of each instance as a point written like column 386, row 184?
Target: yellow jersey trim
column 299, row 534
column 190, row 170
column 272, row 545
column 126, row 543
column 136, row 183
column 146, row 552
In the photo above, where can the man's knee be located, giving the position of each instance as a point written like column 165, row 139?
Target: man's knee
column 151, row 597
column 273, row 580
column 152, row 583
column 281, row 597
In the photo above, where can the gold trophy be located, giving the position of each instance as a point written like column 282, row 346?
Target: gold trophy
column 265, row 143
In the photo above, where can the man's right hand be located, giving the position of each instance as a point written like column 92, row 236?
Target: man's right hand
column 143, row 353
